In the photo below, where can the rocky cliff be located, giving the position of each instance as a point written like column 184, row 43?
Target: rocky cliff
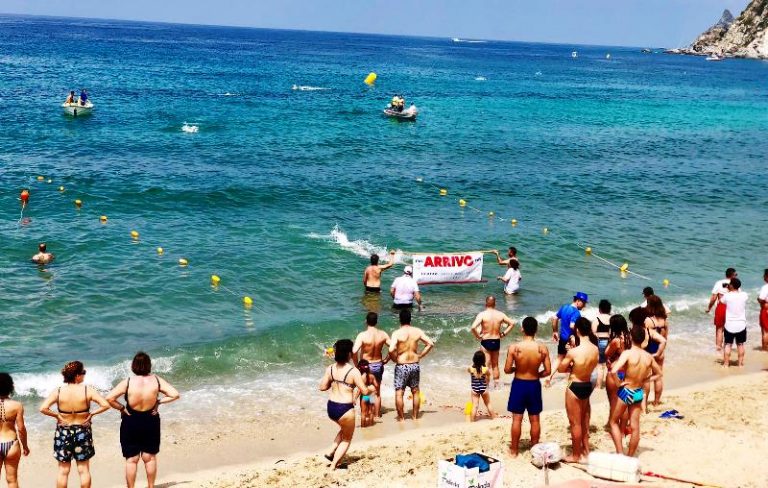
column 745, row 36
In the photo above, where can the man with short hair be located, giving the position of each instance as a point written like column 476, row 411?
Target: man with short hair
column 372, row 274
column 369, row 344
column 487, row 329
column 648, row 291
column 633, row 367
column 720, row 289
column 566, row 318
column 579, row 363
column 42, row 256
column 405, row 290
column 511, row 256
column 525, row 359
column 762, row 300
column 735, row 302
column 404, row 351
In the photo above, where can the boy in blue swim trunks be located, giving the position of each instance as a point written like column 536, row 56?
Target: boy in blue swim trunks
column 529, row 360
column 639, row 367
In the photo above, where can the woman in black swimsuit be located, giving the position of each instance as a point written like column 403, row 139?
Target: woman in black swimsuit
column 341, row 378
column 73, row 438
column 140, row 426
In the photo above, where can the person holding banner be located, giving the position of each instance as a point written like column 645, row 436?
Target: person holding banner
column 372, row 274
column 487, row 329
column 511, row 256
column 405, row 290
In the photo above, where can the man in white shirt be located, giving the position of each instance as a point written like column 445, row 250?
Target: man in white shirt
column 511, row 278
column 735, row 302
column 405, row 290
column 720, row 288
column 762, row 299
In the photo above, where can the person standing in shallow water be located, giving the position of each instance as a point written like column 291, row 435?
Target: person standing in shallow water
column 341, row 378
column 140, row 424
column 74, row 437
column 13, row 432
column 372, row 274
column 720, row 289
column 487, row 328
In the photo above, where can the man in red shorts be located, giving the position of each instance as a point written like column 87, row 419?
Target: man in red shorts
column 720, row 288
column 762, row 299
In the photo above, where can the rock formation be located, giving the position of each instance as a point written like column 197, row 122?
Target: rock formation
column 743, row 37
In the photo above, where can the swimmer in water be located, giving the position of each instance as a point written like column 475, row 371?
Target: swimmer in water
column 43, row 256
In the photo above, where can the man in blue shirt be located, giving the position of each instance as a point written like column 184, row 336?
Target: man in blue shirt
column 566, row 317
column 83, row 97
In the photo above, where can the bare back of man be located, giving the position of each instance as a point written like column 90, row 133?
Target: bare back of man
column 487, row 327
column 404, row 350
column 637, row 366
column 580, row 362
column 525, row 359
column 372, row 274
column 369, row 344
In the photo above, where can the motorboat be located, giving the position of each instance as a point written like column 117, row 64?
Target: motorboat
column 714, row 57
column 76, row 108
column 407, row 114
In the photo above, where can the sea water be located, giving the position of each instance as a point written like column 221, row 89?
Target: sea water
column 260, row 156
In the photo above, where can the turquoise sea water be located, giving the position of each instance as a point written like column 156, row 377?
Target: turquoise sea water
column 654, row 160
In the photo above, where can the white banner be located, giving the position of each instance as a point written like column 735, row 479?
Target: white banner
column 454, row 268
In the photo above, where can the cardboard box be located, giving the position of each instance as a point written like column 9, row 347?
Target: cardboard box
column 449, row 475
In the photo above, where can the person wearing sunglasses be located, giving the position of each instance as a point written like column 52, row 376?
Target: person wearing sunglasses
column 73, row 438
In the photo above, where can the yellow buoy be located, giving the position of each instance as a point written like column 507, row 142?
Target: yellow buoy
column 134, row 234
column 40, row 178
column 491, row 214
column 514, row 222
column 545, row 230
column 215, row 280
column 371, row 78
column 443, row 192
column 665, row 283
column 624, row 267
column 183, row 262
column 160, row 251
column 248, row 302
column 61, row 188
column 103, row 219
column 328, row 350
column 588, row 251
column 462, row 203
column 78, row 203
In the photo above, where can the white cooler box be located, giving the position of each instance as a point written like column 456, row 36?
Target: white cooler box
column 449, row 475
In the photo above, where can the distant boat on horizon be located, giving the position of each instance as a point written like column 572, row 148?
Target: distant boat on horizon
column 468, row 41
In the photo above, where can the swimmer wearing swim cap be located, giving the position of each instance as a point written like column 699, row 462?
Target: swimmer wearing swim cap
column 43, row 256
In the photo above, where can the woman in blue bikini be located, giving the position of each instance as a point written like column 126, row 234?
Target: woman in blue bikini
column 618, row 342
column 341, row 378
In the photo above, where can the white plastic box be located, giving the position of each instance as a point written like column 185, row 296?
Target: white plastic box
column 449, row 475
column 614, row 467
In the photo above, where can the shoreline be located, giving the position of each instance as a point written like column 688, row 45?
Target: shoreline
column 205, row 450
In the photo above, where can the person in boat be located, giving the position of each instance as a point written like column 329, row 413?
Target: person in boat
column 397, row 104
column 71, row 97
column 83, row 98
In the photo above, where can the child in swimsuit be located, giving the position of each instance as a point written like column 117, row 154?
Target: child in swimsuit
column 366, row 401
column 480, row 376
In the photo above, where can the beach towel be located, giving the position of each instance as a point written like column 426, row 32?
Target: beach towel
column 473, row 460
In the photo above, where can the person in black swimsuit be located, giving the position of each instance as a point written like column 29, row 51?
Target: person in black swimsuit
column 73, row 438
column 140, row 425
column 341, row 378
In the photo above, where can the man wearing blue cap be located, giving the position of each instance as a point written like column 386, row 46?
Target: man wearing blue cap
column 566, row 317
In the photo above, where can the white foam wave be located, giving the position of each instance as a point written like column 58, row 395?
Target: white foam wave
column 308, row 88
column 227, row 94
column 102, row 378
column 360, row 247
column 481, row 78
column 191, row 129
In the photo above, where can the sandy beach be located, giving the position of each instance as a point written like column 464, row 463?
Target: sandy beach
column 724, row 413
